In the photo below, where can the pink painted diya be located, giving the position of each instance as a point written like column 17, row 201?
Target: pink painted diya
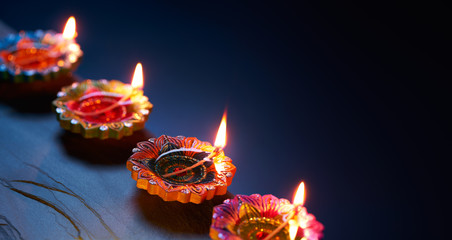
column 39, row 55
column 103, row 109
column 263, row 217
column 182, row 169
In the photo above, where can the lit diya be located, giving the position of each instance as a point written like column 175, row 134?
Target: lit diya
column 103, row 109
column 39, row 55
column 182, row 169
column 264, row 218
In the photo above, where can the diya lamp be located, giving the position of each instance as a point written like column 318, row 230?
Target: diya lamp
column 264, row 218
column 182, row 169
column 40, row 55
column 103, row 109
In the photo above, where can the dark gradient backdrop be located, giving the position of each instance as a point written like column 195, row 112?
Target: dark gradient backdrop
column 350, row 98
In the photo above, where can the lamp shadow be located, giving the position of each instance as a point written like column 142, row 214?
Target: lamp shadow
column 176, row 217
column 33, row 97
column 102, row 152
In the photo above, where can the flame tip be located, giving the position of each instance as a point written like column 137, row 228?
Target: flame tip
column 299, row 196
column 137, row 79
column 221, row 139
column 69, row 31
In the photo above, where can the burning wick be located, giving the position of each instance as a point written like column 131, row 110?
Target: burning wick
column 35, row 55
column 298, row 202
column 69, row 33
column 137, row 83
column 220, row 143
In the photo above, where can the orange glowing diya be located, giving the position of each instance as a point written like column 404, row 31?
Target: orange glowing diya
column 103, row 109
column 182, row 169
column 39, row 55
column 264, row 218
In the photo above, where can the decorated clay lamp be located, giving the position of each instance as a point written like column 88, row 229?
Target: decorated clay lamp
column 264, row 218
column 182, row 169
column 103, row 109
column 39, row 55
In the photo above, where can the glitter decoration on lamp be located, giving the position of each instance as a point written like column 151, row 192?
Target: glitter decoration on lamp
column 182, row 169
column 103, row 109
column 39, row 55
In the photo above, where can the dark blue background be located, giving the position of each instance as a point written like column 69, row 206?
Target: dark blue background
column 350, row 98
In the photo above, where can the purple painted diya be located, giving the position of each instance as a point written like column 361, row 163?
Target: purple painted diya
column 256, row 217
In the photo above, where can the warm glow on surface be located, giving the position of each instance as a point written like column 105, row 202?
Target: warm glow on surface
column 72, row 58
column 74, row 47
column 293, row 229
column 220, row 140
column 69, row 30
column 137, row 80
column 299, row 195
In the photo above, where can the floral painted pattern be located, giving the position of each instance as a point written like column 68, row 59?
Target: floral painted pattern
column 156, row 157
column 85, row 96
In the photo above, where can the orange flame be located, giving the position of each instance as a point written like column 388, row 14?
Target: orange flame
column 137, row 79
column 69, row 30
column 297, row 200
column 299, row 195
column 220, row 140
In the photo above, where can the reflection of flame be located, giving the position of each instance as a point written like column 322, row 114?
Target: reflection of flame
column 137, row 80
column 69, row 30
column 298, row 200
column 219, row 167
column 220, row 140
column 293, row 229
